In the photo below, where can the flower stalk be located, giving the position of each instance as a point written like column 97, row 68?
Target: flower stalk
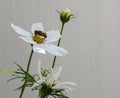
column 27, row 70
column 61, row 32
column 44, row 92
column 65, row 16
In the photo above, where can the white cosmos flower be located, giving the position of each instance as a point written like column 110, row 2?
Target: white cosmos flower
column 51, row 80
column 41, row 41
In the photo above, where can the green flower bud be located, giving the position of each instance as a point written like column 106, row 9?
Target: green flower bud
column 65, row 15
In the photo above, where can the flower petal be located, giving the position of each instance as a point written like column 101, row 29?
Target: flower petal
column 54, row 50
column 67, row 86
column 38, row 48
column 55, row 74
column 20, row 30
column 27, row 39
column 36, row 26
column 52, row 36
column 39, row 70
column 38, row 84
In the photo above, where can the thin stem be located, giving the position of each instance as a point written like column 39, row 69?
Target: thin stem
column 42, row 94
column 54, row 60
column 27, row 70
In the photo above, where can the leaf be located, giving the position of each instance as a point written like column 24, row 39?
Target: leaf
column 14, row 78
column 19, row 67
column 8, row 71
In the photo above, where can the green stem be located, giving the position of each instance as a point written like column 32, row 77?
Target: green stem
column 27, row 70
column 54, row 60
column 42, row 94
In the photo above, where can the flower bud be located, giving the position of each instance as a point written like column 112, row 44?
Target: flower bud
column 65, row 15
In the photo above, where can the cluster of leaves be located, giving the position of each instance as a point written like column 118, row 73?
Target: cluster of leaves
column 58, row 93
column 20, row 73
column 46, row 91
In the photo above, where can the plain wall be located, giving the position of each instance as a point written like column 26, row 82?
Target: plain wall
column 92, row 40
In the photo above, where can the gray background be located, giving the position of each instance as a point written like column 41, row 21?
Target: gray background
column 92, row 39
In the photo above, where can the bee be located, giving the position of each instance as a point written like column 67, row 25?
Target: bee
column 40, row 33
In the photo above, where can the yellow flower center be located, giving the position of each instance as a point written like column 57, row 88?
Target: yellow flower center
column 39, row 36
column 38, row 39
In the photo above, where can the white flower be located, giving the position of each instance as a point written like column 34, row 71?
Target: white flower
column 51, row 80
column 40, row 40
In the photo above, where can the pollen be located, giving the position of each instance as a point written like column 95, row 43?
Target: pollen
column 38, row 39
column 54, row 83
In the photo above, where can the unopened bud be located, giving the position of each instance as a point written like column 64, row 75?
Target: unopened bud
column 65, row 15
